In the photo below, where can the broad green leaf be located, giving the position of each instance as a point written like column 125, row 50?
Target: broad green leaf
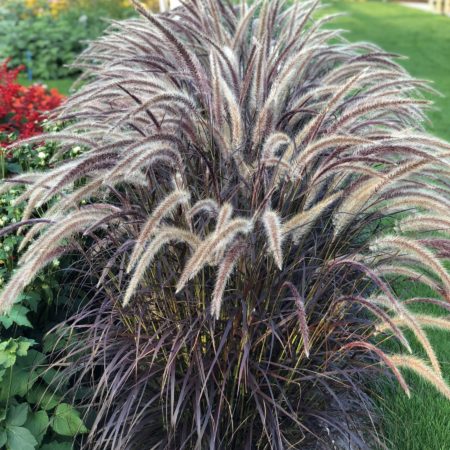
column 17, row 414
column 50, row 342
column 49, row 376
column 43, row 397
column 3, row 437
column 8, row 345
column 18, row 315
column 67, row 422
column 32, row 359
column 7, row 358
column 58, row 341
column 6, row 320
column 8, row 353
column 32, row 299
column 17, row 381
column 11, row 348
column 14, row 168
column 19, row 438
column 24, row 345
column 37, row 423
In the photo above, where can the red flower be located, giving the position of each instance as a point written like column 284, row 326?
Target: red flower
column 22, row 109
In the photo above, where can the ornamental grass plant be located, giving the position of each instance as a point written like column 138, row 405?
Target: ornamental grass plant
column 251, row 185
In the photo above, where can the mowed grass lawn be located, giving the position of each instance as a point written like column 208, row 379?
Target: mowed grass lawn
column 422, row 422
column 63, row 85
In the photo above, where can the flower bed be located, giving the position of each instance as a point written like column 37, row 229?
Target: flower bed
column 22, row 109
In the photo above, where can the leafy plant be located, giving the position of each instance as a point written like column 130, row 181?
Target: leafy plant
column 251, row 185
column 47, row 45
column 22, row 108
column 32, row 412
column 46, row 36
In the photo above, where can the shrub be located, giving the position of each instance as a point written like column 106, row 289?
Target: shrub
column 52, row 42
column 22, row 109
column 250, row 187
column 47, row 36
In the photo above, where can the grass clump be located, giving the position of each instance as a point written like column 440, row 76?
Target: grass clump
column 229, row 208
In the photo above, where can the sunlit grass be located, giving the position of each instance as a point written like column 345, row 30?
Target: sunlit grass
column 421, row 422
column 63, row 85
column 424, row 38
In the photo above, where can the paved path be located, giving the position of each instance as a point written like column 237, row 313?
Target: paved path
column 422, row 6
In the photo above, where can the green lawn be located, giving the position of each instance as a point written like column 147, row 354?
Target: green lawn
column 62, row 85
column 423, row 37
column 422, row 423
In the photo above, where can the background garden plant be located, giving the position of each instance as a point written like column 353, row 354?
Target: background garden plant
column 32, row 411
column 47, row 36
column 250, row 186
column 22, row 109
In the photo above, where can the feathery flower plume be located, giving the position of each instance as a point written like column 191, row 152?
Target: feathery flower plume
column 37, row 257
column 358, row 199
column 424, row 222
column 224, row 215
column 314, row 150
column 432, row 301
column 410, row 272
column 164, row 236
column 422, row 369
column 164, row 209
column 303, row 324
column 226, row 268
column 259, row 114
column 409, row 320
column 18, row 180
column 417, row 251
column 422, row 319
column 273, row 228
column 388, row 360
column 273, row 144
column 209, row 205
column 301, row 223
column 389, row 323
column 213, row 243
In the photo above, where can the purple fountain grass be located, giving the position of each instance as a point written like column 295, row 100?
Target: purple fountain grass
column 239, row 166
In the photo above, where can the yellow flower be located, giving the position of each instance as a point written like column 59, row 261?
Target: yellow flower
column 151, row 4
column 58, row 6
column 36, row 7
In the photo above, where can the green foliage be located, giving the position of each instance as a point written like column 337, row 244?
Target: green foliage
column 424, row 38
column 32, row 410
column 22, row 428
column 55, row 445
column 53, row 42
column 67, row 421
column 12, row 9
column 54, row 34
